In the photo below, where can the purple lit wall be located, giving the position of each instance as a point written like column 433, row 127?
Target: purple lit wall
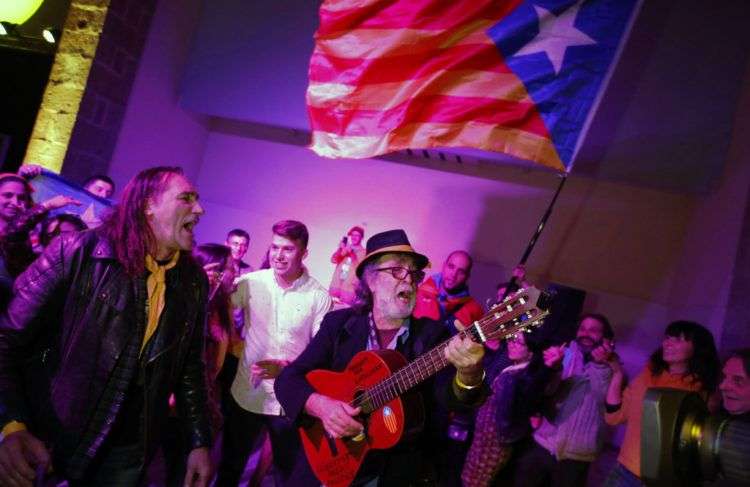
column 156, row 131
column 640, row 253
column 645, row 256
column 664, row 121
column 249, row 61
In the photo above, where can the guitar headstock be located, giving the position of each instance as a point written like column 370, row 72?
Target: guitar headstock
column 518, row 312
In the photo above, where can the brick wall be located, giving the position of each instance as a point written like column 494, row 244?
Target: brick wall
column 84, row 103
column 67, row 83
column 108, row 88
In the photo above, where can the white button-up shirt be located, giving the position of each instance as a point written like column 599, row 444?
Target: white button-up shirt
column 279, row 323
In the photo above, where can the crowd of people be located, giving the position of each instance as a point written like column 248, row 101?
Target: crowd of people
column 128, row 338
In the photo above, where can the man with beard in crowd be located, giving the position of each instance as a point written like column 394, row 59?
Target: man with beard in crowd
column 570, row 435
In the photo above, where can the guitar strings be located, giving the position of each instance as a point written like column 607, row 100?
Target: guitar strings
column 389, row 388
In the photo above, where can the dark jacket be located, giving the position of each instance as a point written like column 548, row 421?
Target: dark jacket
column 15, row 246
column 15, row 249
column 344, row 333
column 74, row 319
column 6, row 284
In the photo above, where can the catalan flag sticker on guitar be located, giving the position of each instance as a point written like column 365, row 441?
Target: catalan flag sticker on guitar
column 390, row 420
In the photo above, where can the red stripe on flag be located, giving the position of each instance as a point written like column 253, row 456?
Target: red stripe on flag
column 391, row 74
column 414, row 14
column 434, row 109
column 327, row 69
column 380, row 96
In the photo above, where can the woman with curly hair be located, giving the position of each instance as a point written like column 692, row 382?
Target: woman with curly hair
column 687, row 360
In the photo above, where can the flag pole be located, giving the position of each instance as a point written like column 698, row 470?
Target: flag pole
column 513, row 283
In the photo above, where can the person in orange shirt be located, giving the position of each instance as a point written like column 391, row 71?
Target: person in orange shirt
column 687, row 360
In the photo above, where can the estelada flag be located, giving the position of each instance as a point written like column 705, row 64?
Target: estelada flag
column 92, row 207
column 511, row 76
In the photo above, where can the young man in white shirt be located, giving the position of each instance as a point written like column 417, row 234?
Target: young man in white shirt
column 282, row 307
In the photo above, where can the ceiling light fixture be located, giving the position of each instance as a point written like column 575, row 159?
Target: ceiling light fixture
column 18, row 11
column 51, row 35
column 8, row 29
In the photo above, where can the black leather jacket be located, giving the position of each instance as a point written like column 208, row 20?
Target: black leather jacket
column 72, row 315
column 15, row 249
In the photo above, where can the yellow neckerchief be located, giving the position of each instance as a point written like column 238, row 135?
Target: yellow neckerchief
column 156, row 287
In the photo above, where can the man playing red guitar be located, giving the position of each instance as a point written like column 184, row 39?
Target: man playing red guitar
column 389, row 275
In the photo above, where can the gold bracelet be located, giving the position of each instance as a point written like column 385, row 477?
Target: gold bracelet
column 12, row 427
column 464, row 386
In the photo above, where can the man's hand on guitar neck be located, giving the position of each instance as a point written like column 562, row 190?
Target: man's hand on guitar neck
column 466, row 355
column 337, row 416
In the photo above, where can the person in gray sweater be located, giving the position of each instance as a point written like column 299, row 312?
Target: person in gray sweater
column 570, row 435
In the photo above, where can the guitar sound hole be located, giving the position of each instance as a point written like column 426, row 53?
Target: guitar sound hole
column 362, row 400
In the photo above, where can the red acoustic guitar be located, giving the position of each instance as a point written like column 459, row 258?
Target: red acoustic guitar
column 378, row 382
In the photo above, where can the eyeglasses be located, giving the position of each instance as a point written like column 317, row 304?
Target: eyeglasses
column 400, row 273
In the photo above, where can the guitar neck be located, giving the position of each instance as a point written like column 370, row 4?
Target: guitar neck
column 514, row 315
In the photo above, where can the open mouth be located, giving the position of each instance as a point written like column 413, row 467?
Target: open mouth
column 404, row 296
column 189, row 226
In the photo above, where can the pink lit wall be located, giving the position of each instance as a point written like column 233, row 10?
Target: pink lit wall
column 156, row 131
column 644, row 256
column 640, row 253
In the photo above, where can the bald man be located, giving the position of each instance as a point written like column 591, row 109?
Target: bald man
column 444, row 297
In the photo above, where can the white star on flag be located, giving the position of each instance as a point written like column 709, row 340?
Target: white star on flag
column 556, row 34
column 89, row 217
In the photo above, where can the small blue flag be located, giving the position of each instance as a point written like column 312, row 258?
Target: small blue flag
column 48, row 185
